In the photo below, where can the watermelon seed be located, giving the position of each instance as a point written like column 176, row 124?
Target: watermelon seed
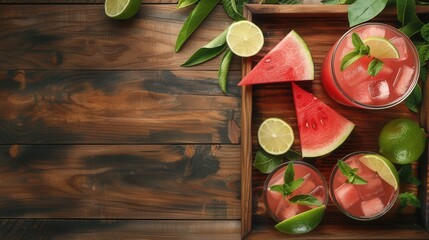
column 268, row 60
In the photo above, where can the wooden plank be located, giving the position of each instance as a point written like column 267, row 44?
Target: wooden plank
column 38, row 229
column 120, row 181
column 82, row 37
column 117, row 106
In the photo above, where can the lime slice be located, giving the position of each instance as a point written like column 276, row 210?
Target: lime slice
column 380, row 47
column 244, row 38
column 383, row 167
column 121, row 9
column 275, row 136
column 303, row 222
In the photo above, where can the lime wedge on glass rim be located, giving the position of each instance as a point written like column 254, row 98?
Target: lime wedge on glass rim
column 121, row 9
column 383, row 167
column 303, row 222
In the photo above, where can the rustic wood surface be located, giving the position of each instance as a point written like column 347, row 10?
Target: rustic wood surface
column 327, row 23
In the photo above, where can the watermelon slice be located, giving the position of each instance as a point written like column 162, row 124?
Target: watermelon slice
column 289, row 60
column 321, row 129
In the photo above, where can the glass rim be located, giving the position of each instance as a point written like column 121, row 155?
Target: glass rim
column 338, row 205
column 267, row 181
column 390, row 104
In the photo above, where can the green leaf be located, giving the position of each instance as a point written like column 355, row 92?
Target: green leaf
column 293, row 156
column 425, row 32
column 333, row 2
column 223, row 70
column 357, row 42
column 423, row 52
column 412, row 28
column 423, row 73
column 406, row 175
column 408, row 199
column 304, row 199
column 350, row 58
column 208, row 51
column 350, row 173
column 289, row 1
column 277, row 188
column 185, row 3
column 289, row 173
column 230, row 7
column 411, row 24
column 363, row 10
column 266, row 162
column 414, row 100
column 195, row 18
column 296, row 184
column 375, row 67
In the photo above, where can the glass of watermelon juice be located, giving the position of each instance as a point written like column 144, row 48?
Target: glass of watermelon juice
column 361, row 201
column 354, row 86
column 279, row 207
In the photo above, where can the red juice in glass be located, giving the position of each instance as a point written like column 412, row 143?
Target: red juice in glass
column 279, row 207
column 362, row 202
column 353, row 86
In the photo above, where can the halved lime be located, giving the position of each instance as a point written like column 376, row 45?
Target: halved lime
column 383, row 167
column 380, row 47
column 303, row 222
column 244, row 38
column 121, row 9
column 275, row 136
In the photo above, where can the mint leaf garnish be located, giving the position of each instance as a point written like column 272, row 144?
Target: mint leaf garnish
column 406, row 175
column 266, row 162
column 289, row 184
column 350, row 173
column 375, row 67
column 305, row 199
column 408, row 199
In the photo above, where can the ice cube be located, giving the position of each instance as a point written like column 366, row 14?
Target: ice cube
column 379, row 89
column 403, row 80
column 373, row 188
column 355, row 75
column 347, row 195
column 286, row 209
column 373, row 31
column 319, row 193
column 400, row 45
column 361, row 94
column 372, row 207
column 307, row 186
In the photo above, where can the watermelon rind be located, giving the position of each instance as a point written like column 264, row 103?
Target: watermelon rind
column 321, row 129
column 289, row 60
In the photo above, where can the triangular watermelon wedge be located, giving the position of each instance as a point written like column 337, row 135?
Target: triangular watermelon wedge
column 289, row 60
column 321, row 129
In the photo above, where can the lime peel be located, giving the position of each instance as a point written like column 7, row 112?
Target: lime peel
column 303, row 222
column 383, row 167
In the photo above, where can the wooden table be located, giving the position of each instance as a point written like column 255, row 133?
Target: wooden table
column 104, row 135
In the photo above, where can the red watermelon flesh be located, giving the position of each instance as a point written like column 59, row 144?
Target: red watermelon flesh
column 321, row 129
column 289, row 60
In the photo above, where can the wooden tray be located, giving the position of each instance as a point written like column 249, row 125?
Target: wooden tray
column 320, row 26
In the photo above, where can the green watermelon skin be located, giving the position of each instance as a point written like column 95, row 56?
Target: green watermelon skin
column 321, row 129
column 289, row 60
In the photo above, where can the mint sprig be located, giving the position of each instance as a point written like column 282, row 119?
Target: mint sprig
column 408, row 199
column 290, row 185
column 350, row 173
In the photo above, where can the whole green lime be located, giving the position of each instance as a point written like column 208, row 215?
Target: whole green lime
column 303, row 222
column 402, row 141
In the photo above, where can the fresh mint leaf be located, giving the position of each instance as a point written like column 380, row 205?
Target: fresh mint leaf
column 296, row 184
column 350, row 173
column 425, row 32
column 293, row 156
column 230, row 7
column 406, row 175
column 423, row 52
column 289, row 173
column 357, row 42
column 408, row 199
column 304, row 199
column 223, row 70
column 208, row 51
column 363, row 10
column 423, row 74
column 349, row 58
column 278, row 188
column 266, row 162
column 375, row 67
column 195, row 18
column 185, row 3
column 414, row 100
